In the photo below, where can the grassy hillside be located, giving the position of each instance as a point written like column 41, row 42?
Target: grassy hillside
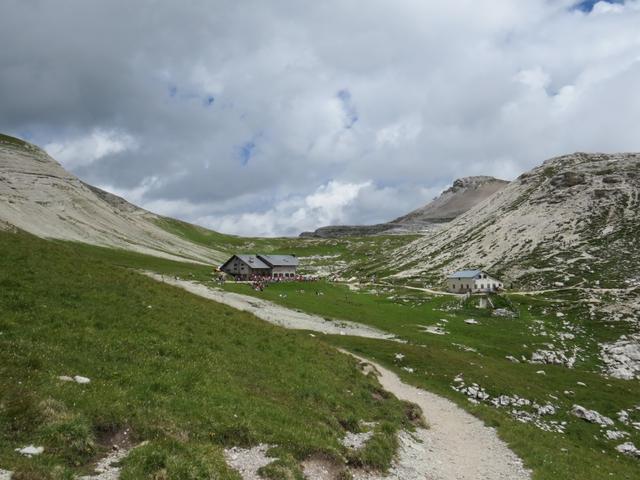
column 342, row 255
column 478, row 353
column 185, row 374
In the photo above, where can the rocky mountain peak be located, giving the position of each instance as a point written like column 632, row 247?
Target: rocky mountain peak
column 473, row 181
column 464, row 193
column 555, row 223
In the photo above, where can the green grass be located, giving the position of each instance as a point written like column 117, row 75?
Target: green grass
column 13, row 141
column 436, row 360
column 185, row 374
column 354, row 251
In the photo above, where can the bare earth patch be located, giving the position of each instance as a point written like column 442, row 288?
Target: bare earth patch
column 247, row 461
column 275, row 314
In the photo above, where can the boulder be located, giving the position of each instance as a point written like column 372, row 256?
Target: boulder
column 628, row 448
column 568, row 179
column 590, row 416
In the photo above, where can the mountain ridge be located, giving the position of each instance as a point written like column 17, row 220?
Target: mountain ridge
column 39, row 196
column 554, row 223
column 452, row 202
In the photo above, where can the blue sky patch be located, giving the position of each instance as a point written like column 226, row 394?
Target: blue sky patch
column 587, row 5
column 348, row 107
column 246, row 151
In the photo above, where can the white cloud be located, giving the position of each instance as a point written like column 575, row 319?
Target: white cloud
column 85, row 150
column 432, row 91
column 328, row 204
column 535, row 78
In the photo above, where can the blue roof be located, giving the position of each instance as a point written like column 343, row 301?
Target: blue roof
column 465, row 274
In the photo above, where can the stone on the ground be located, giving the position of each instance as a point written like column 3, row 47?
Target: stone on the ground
column 247, row 461
column 590, row 416
column 356, row 441
column 622, row 358
column 30, row 450
column 615, row 434
column 628, row 448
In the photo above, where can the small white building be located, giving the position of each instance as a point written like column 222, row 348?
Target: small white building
column 472, row 281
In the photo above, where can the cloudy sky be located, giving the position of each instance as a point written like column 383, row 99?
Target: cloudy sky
column 269, row 117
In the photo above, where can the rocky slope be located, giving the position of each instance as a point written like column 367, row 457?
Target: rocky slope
column 572, row 220
column 460, row 197
column 39, row 196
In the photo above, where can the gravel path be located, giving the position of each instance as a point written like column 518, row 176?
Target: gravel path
column 276, row 314
column 457, row 446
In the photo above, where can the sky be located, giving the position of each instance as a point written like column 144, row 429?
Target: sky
column 272, row 117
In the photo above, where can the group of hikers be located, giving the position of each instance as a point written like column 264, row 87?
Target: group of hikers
column 259, row 282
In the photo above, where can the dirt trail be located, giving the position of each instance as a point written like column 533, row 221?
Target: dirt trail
column 457, row 446
column 276, row 314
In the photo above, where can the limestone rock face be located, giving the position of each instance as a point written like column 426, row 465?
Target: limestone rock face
column 571, row 218
column 39, row 196
column 591, row 416
column 622, row 358
column 464, row 194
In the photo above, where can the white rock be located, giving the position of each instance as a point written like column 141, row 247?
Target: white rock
column 615, row 434
column 541, row 372
column 82, row 380
column 622, row 357
column 65, row 378
column 623, row 417
column 513, row 359
column 628, row 449
column 30, row 451
column 399, row 356
column 356, row 441
column 590, row 415
column 472, row 321
column 547, row 409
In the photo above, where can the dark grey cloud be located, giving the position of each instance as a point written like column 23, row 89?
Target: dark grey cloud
column 274, row 117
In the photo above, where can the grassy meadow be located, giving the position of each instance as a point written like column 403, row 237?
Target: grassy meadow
column 478, row 352
column 187, row 375
column 192, row 377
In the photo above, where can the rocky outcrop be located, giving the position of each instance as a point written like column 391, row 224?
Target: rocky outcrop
column 591, row 416
column 39, row 196
column 558, row 223
column 622, row 358
column 464, row 194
